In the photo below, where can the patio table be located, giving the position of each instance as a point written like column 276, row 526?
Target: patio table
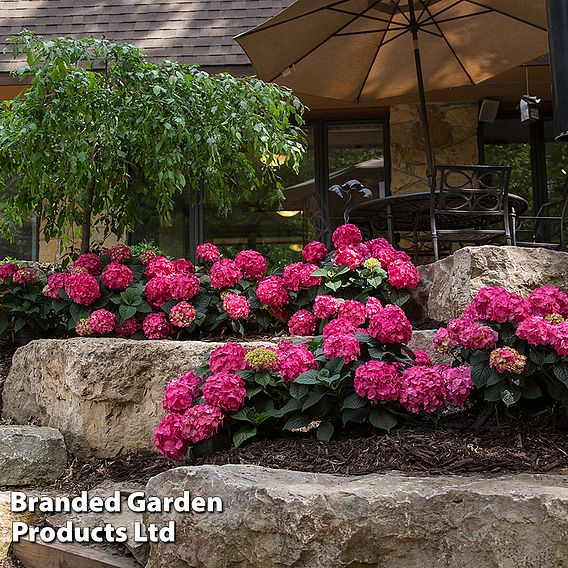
column 411, row 212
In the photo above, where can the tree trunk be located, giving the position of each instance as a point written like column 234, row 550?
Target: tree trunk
column 86, row 225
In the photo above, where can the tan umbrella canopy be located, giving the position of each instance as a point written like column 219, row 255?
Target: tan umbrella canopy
column 368, row 50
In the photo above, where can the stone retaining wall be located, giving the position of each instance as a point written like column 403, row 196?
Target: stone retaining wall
column 279, row 519
column 105, row 395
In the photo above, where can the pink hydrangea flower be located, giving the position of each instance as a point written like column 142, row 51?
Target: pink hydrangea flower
column 390, row 326
column 271, row 292
column 182, row 314
column 353, row 311
column 348, row 256
column 325, row 306
column 495, row 303
column 200, row 422
column 478, row 336
column 117, row 276
column 252, row 264
column 82, row 288
column 443, row 343
column 236, row 306
column 422, row 358
column 128, row 328
column 159, row 267
column 346, row 235
column 55, row 282
column 281, row 314
column 182, row 393
column 7, row 270
column 229, row 357
column 559, row 338
column 548, row 300
column 535, row 330
column 168, row 438
column 225, row 390
column 83, row 327
column 157, row 291
column 299, row 275
column 146, row 256
column 262, row 359
column 403, row 274
column 225, row 273
column 120, row 253
column 376, row 380
column 183, row 266
column 382, row 250
column 507, row 360
column 208, row 252
column 183, row 286
column 302, row 323
column 338, row 326
column 25, row 276
column 423, row 388
column 314, row 252
column 157, row 326
column 293, row 360
column 341, row 345
column 458, row 385
column 102, row 321
column 373, row 307
column 457, row 326
column 90, row 262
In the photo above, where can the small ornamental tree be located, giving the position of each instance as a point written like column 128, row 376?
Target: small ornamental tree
column 100, row 126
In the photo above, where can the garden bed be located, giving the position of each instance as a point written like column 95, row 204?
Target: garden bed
column 508, row 442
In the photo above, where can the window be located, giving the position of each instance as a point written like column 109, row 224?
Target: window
column 337, row 152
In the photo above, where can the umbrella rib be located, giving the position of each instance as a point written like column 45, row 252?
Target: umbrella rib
column 396, row 5
column 375, row 58
column 323, row 41
column 294, row 18
column 451, row 48
column 481, row 5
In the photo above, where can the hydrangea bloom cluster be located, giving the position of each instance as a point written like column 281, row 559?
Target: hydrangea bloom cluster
column 271, row 292
column 102, row 322
column 346, row 235
column 82, row 288
column 225, row 390
column 157, row 326
column 90, row 262
column 225, row 273
column 55, row 282
column 120, row 253
column 507, row 360
column 25, row 276
column 183, row 286
column 341, row 345
column 293, row 360
column 182, row 392
column 159, row 267
column 128, row 328
column 262, row 359
column 201, row 422
column 237, row 306
column 390, row 325
column 117, row 276
column 182, row 314
column 207, row 252
column 251, row 263
column 7, row 270
column 376, row 381
column 352, row 311
column 302, row 323
column 229, row 357
column 314, row 252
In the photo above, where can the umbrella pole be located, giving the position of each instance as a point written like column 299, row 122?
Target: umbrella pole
column 414, row 26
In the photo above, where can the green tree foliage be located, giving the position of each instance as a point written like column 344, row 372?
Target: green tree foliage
column 100, row 127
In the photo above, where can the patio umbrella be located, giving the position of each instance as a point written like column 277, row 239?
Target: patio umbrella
column 369, row 50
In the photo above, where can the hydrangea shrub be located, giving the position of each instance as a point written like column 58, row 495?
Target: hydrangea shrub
column 517, row 347
column 358, row 371
column 154, row 297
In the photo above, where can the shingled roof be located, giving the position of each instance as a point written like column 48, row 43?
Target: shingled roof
column 188, row 31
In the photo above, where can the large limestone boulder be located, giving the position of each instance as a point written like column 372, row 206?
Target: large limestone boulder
column 277, row 518
column 105, row 395
column 31, row 455
column 449, row 285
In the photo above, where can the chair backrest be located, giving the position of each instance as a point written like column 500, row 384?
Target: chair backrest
column 470, row 189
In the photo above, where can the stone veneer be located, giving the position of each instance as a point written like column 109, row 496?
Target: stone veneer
column 453, row 130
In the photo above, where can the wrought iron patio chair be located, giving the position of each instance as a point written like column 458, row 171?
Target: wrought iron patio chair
column 469, row 205
column 546, row 228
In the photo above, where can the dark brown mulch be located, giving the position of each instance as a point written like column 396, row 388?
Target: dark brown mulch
column 535, row 442
column 457, row 445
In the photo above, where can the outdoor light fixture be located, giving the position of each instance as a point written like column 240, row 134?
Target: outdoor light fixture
column 488, row 110
column 287, row 214
column 530, row 109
